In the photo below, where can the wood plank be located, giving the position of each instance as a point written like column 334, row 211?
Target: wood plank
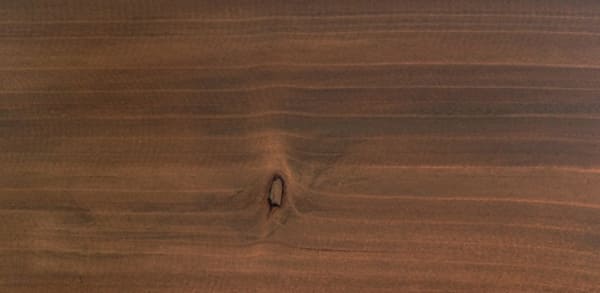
column 331, row 146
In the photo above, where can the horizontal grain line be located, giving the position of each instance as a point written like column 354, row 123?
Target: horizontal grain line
column 327, row 193
column 271, row 134
column 198, row 191
column 172, row 37
column 198, row 213
column 345, row 251
column 282, row 244
column 310, row 65
column 290, row 156
column 429, row 242
column 292, row 87
column 462, row 168
column 309, row 217
column 267, row 114
column 112, row 211
column 307, row 17
column 371, row 221
column 381, row 251
column 573, row 169
column 459, row 199
column 348, row 253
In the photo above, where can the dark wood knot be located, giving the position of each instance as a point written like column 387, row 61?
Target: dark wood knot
column 276, row 192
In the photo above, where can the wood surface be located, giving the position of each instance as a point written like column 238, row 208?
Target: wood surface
column 299, row 146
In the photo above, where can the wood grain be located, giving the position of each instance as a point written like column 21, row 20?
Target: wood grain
column 300, row 146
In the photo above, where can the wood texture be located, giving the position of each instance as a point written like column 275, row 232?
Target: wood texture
column 299, row 146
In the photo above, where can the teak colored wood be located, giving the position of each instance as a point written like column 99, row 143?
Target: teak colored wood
column 299, row 146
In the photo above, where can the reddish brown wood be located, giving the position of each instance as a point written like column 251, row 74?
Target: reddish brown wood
column 299, row 146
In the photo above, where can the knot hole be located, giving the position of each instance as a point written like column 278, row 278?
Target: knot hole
column 276, row 192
